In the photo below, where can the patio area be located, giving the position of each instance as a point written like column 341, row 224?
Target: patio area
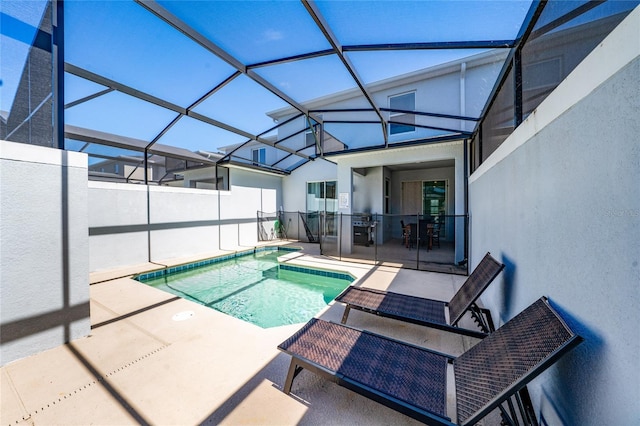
column 395, row 253
column 140, row 366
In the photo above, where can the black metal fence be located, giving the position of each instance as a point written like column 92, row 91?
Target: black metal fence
column 424, row 242
column 295, row 226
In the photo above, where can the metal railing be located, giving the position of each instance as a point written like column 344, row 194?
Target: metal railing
column 423, row 242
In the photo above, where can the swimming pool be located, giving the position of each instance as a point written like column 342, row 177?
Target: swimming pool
column 253, row 287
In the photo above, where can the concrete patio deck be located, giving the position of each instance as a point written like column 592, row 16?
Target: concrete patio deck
column 140, row 366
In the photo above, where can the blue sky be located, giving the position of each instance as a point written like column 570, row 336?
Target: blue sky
column 123, row 41
column 21, row 21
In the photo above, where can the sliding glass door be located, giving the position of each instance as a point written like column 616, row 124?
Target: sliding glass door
column 322, row 207
column 434, row 198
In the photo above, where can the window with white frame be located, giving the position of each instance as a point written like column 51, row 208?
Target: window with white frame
column 322, row 196
column 260, row 155
column 403, row 122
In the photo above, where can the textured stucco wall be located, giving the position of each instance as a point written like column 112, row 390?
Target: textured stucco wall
column 294, row 186
column 183, row 221
column 118, row 235
column 445, row 89
column 559, row 204
column 132, row 224
column 44, row 275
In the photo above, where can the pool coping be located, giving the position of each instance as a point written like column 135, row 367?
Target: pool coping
column 282, row 264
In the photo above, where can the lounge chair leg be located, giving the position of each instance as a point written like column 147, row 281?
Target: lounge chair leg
column 507, row 420
column 293, row 372
column 346, row 314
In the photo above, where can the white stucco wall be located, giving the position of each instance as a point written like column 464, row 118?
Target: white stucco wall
column 559, row 204
column 294, row 186
column 368, row 191
column 272, row 155
column 44, row 276
column 442, row 89
column 118, row 232
column 135, row 224
column 196, row 213
column 258, row 180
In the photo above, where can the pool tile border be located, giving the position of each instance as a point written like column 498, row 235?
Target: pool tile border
column 179, row 268
column 319, row 272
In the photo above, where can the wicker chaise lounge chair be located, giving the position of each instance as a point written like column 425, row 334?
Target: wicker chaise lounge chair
column 413, row 380
column 429, row 312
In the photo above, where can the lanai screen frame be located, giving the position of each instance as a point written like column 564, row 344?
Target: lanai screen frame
column 312, row 117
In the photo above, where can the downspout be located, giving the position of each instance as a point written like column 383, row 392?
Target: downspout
column 463, row 94
column 466, row 202
column 463, row 106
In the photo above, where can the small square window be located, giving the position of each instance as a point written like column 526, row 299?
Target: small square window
column 402, row 122
column 259, row 155
column 310, row 140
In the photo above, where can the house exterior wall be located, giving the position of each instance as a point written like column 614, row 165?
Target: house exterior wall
column 559, row 204
column 368, row 197
column 433, row 93
column 272, row 155
column 44, row 257
column 368, row 191
column 442, row 90
column 294, row 186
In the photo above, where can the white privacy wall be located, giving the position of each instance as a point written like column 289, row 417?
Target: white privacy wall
column 238, row 214
column 559, row 204
column 44, row 275
column 118, row 235
column 134, row 224
column 183, row 221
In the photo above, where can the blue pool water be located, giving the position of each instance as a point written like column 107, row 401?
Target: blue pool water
column 255, row 288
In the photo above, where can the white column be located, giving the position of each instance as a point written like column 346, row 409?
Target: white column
column 345, row 206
